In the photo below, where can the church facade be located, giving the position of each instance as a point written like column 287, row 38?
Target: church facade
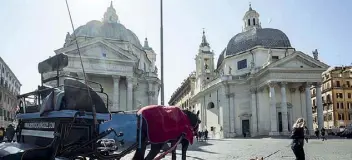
column 259, row 86
column 113, row 56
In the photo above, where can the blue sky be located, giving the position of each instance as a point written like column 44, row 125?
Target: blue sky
column 32, row 29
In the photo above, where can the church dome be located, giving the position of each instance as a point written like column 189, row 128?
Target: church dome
column 109, row 28
column 263, row 37
column 114, row 31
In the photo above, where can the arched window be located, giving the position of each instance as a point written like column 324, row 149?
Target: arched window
column 211, row 105
column 253, row 21
column 249, row 22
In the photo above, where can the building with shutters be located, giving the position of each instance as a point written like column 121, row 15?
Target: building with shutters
column 9, row 89
column 336, row 97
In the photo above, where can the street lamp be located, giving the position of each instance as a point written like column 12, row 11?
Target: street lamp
column 161, row 53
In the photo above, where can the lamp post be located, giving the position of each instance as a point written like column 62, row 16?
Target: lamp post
column 161, row 53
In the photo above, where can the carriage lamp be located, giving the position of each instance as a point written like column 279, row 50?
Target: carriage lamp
column 120, row 134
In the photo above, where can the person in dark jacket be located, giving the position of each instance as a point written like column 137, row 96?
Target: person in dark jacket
column 317, row 133
column 297, row 137
column 2, row 133
column 323, row 134
column 206, row 135
column 306, row 132
column 10, row 133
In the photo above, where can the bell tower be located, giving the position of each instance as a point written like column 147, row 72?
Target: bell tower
column 204, row 62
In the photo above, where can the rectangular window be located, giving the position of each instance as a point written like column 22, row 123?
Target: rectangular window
column 348, row 84
column 274, row 57
column 338, row 84
column 341, row 105
column 337, row 105
column 242, row 64
column 349, row 95
column 341, row 95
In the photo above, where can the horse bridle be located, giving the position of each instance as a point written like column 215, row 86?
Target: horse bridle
column 195, row 128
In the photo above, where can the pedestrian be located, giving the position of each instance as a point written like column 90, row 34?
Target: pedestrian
column 10, row 133
column 2, row 133
column 323, row 132
column 298, row 139
column 206, row 135
column 306, row 133
column 317, row 133
column 197, row 135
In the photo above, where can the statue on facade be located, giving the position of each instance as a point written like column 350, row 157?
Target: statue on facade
column 230, row 70
column 270, row 56
column 206, row 66
column 221, row 72
column 68, row 39
column 155, row 70
column 315, row 54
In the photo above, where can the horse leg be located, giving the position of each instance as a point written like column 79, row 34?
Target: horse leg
column 173, row 152
column 154, row 150
column 140, row 152
column 185, row 144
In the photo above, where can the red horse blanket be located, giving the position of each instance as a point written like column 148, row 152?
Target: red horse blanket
column 166, row 123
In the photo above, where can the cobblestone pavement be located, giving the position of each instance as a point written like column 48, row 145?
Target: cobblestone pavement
column 244, row 149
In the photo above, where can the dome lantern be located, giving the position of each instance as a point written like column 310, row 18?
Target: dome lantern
column 251, row 19
column 110, row 15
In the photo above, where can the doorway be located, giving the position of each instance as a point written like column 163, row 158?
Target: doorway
column 245, row 126
column 280, row 121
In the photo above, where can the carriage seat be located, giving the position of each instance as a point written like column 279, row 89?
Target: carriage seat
column 77, row 98
column 53, row 101
column 73, row 97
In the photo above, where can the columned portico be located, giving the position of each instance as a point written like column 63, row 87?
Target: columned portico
column 129, row 93
column 116, row 80
column 273, row 117
column 319, row 106
column 309, row 108
column 284, row 107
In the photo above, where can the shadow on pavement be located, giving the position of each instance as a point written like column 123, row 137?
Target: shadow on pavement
column 197, row 147
column 191, row 157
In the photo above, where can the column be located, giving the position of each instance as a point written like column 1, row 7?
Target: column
column 254, row 112
column 129, row 93
column 284, row 107
column 116, row 96
column 150, row 93
column 273, row 119
column 319, row 106
column 309, row 108
column 232, row 117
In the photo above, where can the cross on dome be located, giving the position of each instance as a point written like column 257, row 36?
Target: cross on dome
column 204, row 40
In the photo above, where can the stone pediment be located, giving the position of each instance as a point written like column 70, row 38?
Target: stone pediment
column 298, row 60
column 100, row 50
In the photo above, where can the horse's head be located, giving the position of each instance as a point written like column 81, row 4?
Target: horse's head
column 194, row 119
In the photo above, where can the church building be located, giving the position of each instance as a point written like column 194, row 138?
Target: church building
column 259, row 86
column 113, row 56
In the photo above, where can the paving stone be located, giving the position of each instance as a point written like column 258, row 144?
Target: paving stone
column 244, row 149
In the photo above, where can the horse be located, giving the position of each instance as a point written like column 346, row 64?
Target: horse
column 153, row 127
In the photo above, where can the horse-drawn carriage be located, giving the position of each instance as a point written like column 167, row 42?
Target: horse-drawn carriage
column 71, row 121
